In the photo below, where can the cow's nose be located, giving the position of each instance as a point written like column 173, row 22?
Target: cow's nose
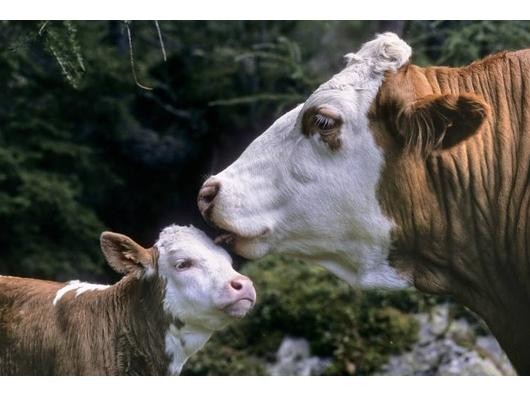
column 242, row 287
column 206, row 196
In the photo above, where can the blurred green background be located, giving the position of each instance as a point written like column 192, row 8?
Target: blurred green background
column 99, row 132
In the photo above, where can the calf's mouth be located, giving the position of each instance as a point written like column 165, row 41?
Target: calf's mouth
column 239, row 308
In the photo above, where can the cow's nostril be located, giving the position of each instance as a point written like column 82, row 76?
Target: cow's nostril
column 207, row 194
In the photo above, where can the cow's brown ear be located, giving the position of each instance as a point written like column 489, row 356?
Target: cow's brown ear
column 438, row 122
column 124, row 255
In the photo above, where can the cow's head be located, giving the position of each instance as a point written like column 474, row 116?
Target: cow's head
column 310, row 186
column 200, row 286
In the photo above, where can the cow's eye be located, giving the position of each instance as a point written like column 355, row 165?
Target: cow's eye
column 323, row 122
column 183, row 264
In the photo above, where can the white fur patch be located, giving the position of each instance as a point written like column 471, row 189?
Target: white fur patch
column 149, row 272
column 174, row 350
column 180, row 344
column 79, row 287
column 386, row 52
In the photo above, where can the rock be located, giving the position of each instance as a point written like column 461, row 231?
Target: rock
column 444, row 347
column 488, row 345
column 294, row 358
column 449, row 348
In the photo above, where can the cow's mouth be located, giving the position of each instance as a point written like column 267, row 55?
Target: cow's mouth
column 229, row 238
column 252, row 243
column 226, row 238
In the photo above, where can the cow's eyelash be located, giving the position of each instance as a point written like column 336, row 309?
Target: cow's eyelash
column 322, row 122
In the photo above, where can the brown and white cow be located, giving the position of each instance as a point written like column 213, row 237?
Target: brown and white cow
column 392, row 174
column 171, row 299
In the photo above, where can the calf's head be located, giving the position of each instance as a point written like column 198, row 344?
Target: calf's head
column 201, row 287
column 310, row 185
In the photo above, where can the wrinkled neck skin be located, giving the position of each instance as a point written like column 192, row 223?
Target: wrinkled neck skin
column 461, row 215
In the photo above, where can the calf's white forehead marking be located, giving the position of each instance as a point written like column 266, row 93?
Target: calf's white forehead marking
column 79, row 287
column 177, row 243
column 189, row 241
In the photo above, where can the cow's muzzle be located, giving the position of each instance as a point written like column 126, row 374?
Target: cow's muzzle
column 206, row 198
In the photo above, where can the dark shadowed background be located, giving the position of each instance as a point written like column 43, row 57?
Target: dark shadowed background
column 99, row 132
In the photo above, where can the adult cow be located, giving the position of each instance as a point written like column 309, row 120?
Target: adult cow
column 391, row 174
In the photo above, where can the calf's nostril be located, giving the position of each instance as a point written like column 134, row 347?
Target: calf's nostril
column 236, row 284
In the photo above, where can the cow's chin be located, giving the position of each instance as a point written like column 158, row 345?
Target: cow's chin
column 250, row 249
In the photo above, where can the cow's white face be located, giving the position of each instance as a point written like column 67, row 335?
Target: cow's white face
column 202, row 288
column 308, row 185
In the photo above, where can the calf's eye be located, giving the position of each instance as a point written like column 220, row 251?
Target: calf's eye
column 184, row 264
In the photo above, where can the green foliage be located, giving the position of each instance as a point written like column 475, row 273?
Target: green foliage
column 220, row 359
column 50, row 170
column 359, row 330
column 61, row 40
column 456, row 43
column 83, row 149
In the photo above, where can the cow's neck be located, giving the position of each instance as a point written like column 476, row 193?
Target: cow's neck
column 462, row 224
column 452, row 246
column 511, row 326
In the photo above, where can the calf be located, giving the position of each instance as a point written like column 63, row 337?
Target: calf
column 171, row 299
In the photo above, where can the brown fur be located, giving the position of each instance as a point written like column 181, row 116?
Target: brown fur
column 456, row 183
column 116, row 331
column 124, row 255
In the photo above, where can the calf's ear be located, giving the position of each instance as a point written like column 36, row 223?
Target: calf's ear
column 124, row 255
column 439, row 122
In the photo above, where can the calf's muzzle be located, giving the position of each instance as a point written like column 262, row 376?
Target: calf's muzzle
column 242, row 296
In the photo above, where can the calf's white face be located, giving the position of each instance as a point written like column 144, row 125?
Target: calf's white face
column 201, row 289
column 307, row 186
